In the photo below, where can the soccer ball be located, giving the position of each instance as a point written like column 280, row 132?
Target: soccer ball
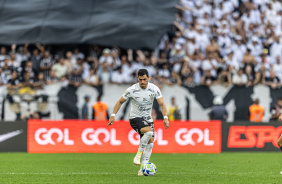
column 149, row 169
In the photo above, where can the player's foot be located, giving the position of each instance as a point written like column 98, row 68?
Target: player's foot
column 137, row 159
column 140, row 172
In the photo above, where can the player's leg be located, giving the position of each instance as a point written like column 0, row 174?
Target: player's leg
column 147, row 133
column 146, row 155
column 280, row 142
column 148, row 149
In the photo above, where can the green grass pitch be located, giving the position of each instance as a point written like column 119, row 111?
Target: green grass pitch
column 118, row 168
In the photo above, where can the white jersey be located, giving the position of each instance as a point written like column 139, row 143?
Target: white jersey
column 142, row 100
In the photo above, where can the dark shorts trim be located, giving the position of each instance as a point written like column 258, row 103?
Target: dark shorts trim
column 138, row 123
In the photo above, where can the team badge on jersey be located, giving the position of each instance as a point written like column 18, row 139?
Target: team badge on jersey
column 151, row 97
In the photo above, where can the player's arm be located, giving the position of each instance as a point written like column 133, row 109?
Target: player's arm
column 116, row 108
column 280, row 117
column 164, row 111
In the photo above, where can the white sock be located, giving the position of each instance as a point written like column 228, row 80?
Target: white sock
column 147, row 153
column 144, row 141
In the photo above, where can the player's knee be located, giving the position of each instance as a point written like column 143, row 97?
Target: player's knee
column 151, row 140
column 149, row 133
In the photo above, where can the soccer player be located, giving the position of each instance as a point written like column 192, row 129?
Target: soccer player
column 142, row 96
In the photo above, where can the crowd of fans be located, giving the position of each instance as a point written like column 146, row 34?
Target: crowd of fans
column 211, row 42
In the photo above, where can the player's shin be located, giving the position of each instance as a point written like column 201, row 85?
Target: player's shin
column 144, row 141
column 147, row 153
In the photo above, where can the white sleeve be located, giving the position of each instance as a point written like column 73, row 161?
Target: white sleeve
column 158, row 93
column 126, row 94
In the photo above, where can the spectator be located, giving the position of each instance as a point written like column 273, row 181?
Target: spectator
column 210, row 64
column 218, row 110
column 100, row 110
column 119, row 77
column 92, row 78
column 75, row 79
column 174, row 79
column 164, row 71
column 76, row 54
column 52, row 78
column 277, row 68
column 3, row 53
column 208, row 79
column 276, row 48
column 261, row 72
column 256, row 111
column 115, row 56
column 173, row 111
column 12, row 86
column 12, row 60
column 60, row 69
column 22, row 54
column 250, row 75
column 224, row 78
column 35, row 58
column 239, row 79
column 69, row 62
column 248, row 59
column 276, row 110
column 7, row 69
column 39, row 82
column 84, row 111
column 272, row 81
column 46, row 64
column 106, row 57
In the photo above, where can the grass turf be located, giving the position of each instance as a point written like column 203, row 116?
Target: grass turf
column 118, row 168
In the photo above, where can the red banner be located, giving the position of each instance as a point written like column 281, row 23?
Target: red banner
column 78, row 136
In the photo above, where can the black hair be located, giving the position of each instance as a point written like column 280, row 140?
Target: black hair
column 142, row 72
column 279, row 98
column 98, row 98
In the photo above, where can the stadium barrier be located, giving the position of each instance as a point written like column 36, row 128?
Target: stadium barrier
column 13, row 136
column 77, row 136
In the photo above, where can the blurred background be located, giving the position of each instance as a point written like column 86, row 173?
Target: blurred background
column 212, row 59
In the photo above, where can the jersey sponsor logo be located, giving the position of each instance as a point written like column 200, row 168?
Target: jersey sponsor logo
column 252, row 136
column 137, row 97
column 158, row 93
column 145, row 100
column 135, row 91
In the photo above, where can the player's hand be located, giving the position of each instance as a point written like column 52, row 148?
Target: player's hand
column 111, row 120
column 166, row 123
column 280, row 117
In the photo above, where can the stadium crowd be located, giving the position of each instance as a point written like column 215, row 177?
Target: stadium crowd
column 211, row 42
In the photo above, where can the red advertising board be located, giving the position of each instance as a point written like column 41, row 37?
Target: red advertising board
column 77, row 136
column 249, row 136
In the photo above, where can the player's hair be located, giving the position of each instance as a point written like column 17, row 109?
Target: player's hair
column 279, row 98
column 142, row 72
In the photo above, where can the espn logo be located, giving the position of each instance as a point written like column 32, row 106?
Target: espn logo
column 252, row 136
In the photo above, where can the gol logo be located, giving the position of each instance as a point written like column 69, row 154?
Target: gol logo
column 89, row 136
column 183, row 136
column 43, row 136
